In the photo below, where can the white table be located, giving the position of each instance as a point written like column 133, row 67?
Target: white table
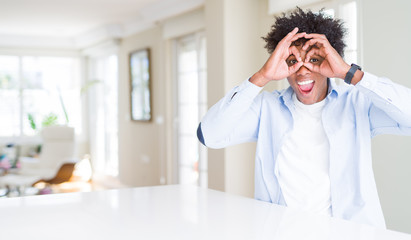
column 169, row 212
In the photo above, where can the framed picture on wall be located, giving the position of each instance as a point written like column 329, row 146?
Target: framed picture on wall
column 140, row 81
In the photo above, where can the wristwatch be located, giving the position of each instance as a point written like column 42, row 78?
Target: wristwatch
column 351, row 72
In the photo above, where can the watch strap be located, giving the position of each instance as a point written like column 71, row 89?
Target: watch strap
column 351, row 72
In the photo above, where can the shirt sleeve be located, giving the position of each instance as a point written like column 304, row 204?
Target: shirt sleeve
column 390, row 109
column 234, row 119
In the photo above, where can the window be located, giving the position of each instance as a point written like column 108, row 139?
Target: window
column 44, row 87
column 191, row 102
column 348, row 13
column 103, row 109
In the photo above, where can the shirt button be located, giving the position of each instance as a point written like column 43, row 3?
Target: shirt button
column 366, row 84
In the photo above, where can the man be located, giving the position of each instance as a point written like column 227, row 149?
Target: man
column 313, row 138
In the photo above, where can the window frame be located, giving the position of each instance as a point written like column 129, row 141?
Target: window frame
column 202, row 180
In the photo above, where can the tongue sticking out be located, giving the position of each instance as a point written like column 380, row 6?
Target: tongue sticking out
column 306, row 87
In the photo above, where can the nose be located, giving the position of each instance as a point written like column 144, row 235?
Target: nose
column 303, row 70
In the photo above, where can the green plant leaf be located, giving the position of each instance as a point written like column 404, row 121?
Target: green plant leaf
column 49, row 120
column 88, row 85
column 32, row 121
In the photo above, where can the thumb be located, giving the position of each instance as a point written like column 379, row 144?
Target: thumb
column 312, row 67
column 294, row 68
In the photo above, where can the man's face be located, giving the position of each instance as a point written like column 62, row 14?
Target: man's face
column 310, row 87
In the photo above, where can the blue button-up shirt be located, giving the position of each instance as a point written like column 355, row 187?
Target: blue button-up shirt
column 351, row 117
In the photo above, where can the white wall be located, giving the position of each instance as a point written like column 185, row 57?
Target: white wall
column 214, row 17
column 141, row 143
column 386, row 52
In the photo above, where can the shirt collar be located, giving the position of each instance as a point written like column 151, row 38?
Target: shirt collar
column 333, row 91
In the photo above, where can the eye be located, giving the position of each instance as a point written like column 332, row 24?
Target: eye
column 314, row 60
column 292, row 62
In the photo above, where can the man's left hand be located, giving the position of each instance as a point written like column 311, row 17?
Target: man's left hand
column 332, row 64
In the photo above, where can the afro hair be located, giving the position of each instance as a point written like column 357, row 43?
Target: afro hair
column 308, row 22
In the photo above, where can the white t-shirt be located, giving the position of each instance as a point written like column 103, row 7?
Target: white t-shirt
column 303, row 161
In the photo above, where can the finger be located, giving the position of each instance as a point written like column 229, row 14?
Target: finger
column 294, row 68
column 313, row 51
column 312, row 67
column 294, row 51
column 290, row 34
column 315, row 35
column 314, row 41
column 297, row 36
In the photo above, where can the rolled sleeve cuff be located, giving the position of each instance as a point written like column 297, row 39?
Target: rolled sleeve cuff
column 368, row 81
column 248, row 89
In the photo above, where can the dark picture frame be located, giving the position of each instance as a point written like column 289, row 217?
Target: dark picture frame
column 140, row 85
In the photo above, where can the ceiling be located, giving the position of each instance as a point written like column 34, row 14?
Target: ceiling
column 75, row 22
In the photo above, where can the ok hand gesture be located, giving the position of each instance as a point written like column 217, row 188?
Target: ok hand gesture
column 332, row 64
column 276, row 67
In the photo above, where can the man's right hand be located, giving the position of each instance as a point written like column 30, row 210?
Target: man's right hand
column 276, row 67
